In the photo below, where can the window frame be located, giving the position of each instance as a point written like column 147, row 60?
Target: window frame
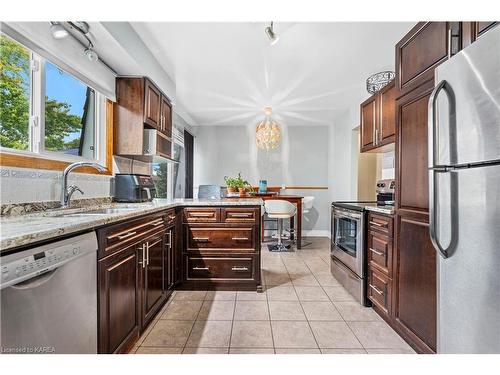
column 36, row 156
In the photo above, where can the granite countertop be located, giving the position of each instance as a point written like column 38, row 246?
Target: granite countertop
column 27, row 229
column 388, row 210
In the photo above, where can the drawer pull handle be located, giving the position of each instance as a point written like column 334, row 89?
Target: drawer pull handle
column 376, row 252
column 201, row 268
column 241, row 215
column 380, row 292
column 202, row 215
column 129, row 234
column 378, row 224
column 156, row 223
column 171, row 217
column 239, row 269
column 240, row 238
column 201, row 239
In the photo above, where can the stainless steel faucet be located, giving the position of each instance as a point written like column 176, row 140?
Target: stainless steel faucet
column 67, row 191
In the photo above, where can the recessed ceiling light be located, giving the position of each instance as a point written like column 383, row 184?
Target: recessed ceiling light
column 273, row 37
column 58, row 31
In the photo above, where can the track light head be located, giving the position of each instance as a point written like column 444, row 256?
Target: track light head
column 91, row 54
column 273, row 37
column 58, row 31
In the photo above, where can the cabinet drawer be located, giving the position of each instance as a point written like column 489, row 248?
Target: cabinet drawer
column 380, row 223
column 220, row 238
column 380, row 252
column 219, row 268
column 239, row 215
column 201, row 215
column 379, row 289
column 114, row 237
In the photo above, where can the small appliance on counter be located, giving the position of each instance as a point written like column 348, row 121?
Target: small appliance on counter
column 385, row 192
column 134, row 188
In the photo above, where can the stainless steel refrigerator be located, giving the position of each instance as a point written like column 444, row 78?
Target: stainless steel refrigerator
column 464, row 197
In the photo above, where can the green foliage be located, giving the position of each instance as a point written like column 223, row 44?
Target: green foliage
column 14, row 94
column 59, row 123
column 14, row 104
column 161, row 180
column 237, row 182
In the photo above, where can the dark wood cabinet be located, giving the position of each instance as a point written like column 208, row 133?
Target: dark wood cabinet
column 138, row 270
column 415, row 296
column 141, row 106
column 380, row 262
column 166, row 117
column 152, row 270
column 221, row 248
column 119, row 316
column 153, row 103
column 474, row 30
column 378, row 120
column 368, row 123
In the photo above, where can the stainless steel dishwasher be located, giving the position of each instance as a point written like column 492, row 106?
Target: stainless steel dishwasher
column 49, row 298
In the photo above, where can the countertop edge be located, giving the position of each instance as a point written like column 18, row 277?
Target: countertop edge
column 23, row 240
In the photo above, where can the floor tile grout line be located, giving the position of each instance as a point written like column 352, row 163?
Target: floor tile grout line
column 194, row 322
column 269, row 312
column 232, row 323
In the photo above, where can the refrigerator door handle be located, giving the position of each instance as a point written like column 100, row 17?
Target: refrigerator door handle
column 435, row 168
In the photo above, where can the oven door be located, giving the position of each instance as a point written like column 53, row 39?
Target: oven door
column 347, row 239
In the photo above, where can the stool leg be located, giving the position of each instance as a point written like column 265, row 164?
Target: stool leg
column 280, row 230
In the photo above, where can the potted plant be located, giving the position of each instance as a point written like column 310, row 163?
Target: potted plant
column 231, row 184
column 235, row 184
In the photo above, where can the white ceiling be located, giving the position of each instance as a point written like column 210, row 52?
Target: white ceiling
column 225, row 73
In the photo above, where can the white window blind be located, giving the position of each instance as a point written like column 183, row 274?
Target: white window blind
column 67, row 53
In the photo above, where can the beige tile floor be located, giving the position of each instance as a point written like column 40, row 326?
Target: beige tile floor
column 303, row 310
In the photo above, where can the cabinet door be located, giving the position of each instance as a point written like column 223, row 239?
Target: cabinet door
column 412, row 187
column 368, row 123
column 426, row 46
column 152, row 105
column 415, row 283
column 153, row 271
column 387, row 116
column 118, row 301
column 166, row 117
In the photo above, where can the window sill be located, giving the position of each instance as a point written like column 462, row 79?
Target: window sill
column 30, row 160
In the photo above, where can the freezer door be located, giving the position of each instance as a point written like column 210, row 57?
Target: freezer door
column 473, row 79
column 469, row 278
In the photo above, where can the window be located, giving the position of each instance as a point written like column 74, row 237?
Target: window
column 69, row 114
column 45, row 110
column 14, row 94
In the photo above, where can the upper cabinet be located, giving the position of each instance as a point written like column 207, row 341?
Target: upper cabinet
column 142, row 118
column 474, row 30
column 426, row 46
column 378, row 120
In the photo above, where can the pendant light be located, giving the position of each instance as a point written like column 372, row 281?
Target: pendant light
column 268, row 133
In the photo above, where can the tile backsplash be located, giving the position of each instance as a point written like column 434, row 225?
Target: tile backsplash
column 20, row 185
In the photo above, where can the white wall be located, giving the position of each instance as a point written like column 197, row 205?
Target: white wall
column 301, row 159
column 343, row 157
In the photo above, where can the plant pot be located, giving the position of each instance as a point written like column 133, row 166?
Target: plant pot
column 232, row 190
column 243, row 192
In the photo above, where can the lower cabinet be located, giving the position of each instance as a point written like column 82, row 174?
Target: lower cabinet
column 135, row 278
column 221, row 248
column 152, row 271
column 119, row 293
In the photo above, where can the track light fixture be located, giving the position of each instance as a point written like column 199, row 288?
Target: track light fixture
column 273, row 37
column 59, row 32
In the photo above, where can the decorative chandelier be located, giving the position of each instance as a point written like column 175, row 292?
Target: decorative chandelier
column 267, row 133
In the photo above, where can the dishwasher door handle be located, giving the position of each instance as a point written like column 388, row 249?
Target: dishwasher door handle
column 36, row 281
